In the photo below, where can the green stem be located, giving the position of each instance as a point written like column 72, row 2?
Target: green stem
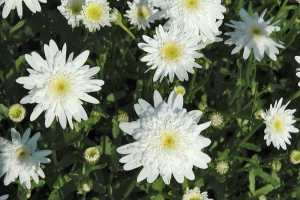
column 249, row 69
column 129, row 189
column 53, row 130
column 259, row 94
column 290, row 22
column 281, row 8
column 253, row 130
column 191, row 85
column 127, row 30
column 294, row 96
column 83, row 195
column 235, row 95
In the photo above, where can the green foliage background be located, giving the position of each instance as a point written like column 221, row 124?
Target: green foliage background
column 224, row 84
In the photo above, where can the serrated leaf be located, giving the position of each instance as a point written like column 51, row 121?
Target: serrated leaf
column 17, row 26
column 224, row 155
column 266, row 177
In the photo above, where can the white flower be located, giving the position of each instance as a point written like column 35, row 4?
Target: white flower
column 279, row 122
column 168, row 140
column 195, row 194
column 96, row 14
column 197, row 15
column 253, row 33
column 19, row 158
column 58, row 86
column 139, row 13
column 33, row 5
column 297, row 58
column 4, row 197
column 71, row 10
column 172, row 52
column 207, row 41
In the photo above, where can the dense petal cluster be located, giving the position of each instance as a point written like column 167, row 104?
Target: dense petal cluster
column 139, row 13
column 253, row 33
column 58, row 85
column 71, row 10
column 18, row 158
column 168, row 140
column 195, row 194
column 279, row 124
column 9, row 5
column 172, row 52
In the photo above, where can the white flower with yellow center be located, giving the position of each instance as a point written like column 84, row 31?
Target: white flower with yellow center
column 59, row 86
column 96, row 14
column 16, row 112
column 172, row 52
column 71, row 10
column 197, row 15
column 168, row 140
column 253, row 33
column 19, row 158
column 195, row 194
column 33, row 5
column 139, row 13
column 279, row 123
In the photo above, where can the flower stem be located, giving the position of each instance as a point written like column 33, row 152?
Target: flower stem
column 191, row 85
column 129, row 188
column 253, row 130
column 127, row 30
column 294, row 96
column 290, row 23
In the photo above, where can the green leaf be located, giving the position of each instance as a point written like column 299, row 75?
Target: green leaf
column 264, row 190
column 252, row 182
column 3, row 111
column 138, row 90
column 266, row 177
column 223, row 155
column 67, row 160
column 115, row 96
column 68, row 139
column 62, row 192
column 17, row 26
column 251, row 146
column 158, row 184
column 98, row 167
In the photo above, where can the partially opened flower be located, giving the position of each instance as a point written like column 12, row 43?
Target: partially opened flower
column 33, row 5
column 195, row 194
column 254, row 33
column 172, row 52
column 279, row 123
column 95, row 14
column 168, row 140
column 71, row 10
column 139, row 13
column 19, row 158
column 58, row 85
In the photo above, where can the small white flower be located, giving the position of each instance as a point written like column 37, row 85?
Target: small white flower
column 253, row 33
column 16, row 112
column 58, row 86
column 71, row 10
column 195, row 194
column 279, row 123
column 139, row 13
column 91, row 155
column 33, row 5
column 19, row 158
column 297, row 58
column 172, row 52
column 168, row 140
column 95, row 14
column 197, row 15
column 4, row 197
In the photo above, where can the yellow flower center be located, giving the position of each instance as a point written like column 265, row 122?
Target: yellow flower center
column 22, row 153
column 169, row 140
column 15, row 111
column 297, row 157
column 94, row 11
column 171, row 51
column 91, row 152
column 191, row 3
column 75, row 7
column 142, row 13
column 279, row 124
column 60, row 86
column 256, row 31
column 195, row 198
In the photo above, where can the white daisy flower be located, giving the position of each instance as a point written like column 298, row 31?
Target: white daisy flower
column 33, row 5
column 96, row 14
column 168, row 140
column 172, row 52
column 19, row 158
column 207, row 41
column 279, row 123
column 195, row 194
column 253, row 33
column 139, row 13
column 71, row 10
column 58, row 86
column 197, row 15
column 4, row 197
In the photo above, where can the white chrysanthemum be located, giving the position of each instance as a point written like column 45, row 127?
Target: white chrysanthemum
column 195, row 194
column 172, row 52
column 279, row 122
column 197, row 15
column 207, row 41
column 71, row 10
column 168, row 140
column 95, row 14
column 19, row 158
column 58, row 86
column 139, row 13
column 4, row 197
column 253, row 33
column 33, row 5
